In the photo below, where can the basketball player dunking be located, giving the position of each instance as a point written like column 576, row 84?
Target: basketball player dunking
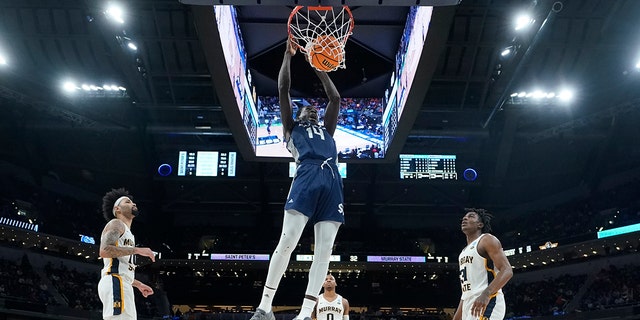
column 331, row 305
column 316, row 190
column 117, row 249
column 484, row 270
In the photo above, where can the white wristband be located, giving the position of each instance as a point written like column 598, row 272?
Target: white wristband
column 345, row 317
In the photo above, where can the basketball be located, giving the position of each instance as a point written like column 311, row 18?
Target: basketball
column 325, row 53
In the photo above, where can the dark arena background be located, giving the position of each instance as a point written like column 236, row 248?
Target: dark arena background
column 529, row 109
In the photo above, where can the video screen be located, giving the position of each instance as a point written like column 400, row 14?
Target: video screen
column 427, row 166
column 359, row 134
column 206, row 164
column 236, row 61
column 366, row 127
column 407, row 59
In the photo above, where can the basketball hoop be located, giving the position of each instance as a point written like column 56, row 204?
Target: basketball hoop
column 311, row 26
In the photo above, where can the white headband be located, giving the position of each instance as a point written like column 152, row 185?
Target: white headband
column 117, row 203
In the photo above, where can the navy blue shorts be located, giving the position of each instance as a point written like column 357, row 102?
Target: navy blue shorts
column 316, row 192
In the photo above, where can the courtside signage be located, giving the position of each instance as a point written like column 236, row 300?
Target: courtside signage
column 394, row 259
column 242, row 257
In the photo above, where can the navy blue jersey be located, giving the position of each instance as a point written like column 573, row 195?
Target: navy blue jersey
column 311, row 141
column 316, row 190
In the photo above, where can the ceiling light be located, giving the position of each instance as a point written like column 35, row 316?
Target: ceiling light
column 89, row 90
column 132, row 46
column 565, row 95
column 513, row 95
column 3, row 60
column 69, row 86
column 115, row 13
column 523, row 21
column 538, row 94
column 505, row 52
column 522, row 94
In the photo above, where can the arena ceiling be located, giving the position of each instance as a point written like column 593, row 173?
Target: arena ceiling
column 525, row 152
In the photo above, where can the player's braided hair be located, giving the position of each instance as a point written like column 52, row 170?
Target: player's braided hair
column 110, row 199
column 484, row 215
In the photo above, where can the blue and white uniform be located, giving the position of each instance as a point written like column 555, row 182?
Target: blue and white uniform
column 476, row 273
column 316, row 190
column 115, row 287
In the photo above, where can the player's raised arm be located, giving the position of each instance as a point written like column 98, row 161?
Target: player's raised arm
column 284, row 86
column 333, row 107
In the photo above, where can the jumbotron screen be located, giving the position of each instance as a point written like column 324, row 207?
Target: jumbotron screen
column 367, row 125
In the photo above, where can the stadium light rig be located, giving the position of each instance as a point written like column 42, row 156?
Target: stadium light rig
column 541, row 97
column 94, row 91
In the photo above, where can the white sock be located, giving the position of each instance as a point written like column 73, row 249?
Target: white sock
column 307, row 308
column 267, row 299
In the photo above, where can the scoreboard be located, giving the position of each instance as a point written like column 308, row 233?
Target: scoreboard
column 427, row 166
column 206, row 164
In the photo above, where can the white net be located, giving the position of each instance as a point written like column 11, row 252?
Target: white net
column 318, row 29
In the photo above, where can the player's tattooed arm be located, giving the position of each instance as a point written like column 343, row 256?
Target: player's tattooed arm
column 108, row 248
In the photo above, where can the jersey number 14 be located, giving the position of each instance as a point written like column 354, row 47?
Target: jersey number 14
column 311, row 130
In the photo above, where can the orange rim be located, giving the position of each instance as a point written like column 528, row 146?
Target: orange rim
column 293, row 39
